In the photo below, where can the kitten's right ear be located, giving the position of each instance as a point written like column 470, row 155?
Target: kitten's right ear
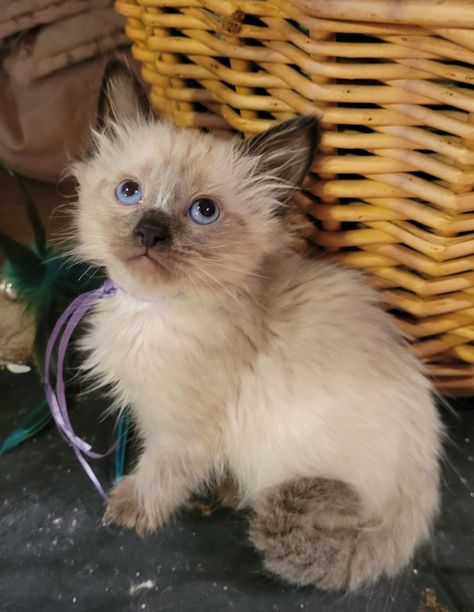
column 121, row 97
column 286, row 150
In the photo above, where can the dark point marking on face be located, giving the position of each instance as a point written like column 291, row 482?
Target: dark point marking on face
column 153, row 230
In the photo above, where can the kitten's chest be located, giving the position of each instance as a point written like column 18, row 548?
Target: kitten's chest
column 149, row 353
column 138, row 348
column 133, row 347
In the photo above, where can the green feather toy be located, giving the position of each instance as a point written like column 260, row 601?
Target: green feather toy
column 45, row 280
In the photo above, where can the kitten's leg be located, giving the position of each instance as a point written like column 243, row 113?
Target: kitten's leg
column 313, row 531
column 159, row 485
column 228, row 494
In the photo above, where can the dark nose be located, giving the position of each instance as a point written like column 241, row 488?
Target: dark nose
column 152, row 232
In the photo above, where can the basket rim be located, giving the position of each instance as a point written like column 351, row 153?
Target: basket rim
column 449, row 13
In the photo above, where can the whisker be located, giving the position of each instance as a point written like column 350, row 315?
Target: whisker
column 226, row 289
column 212, row 290
column 220, row 265
column 85, row 273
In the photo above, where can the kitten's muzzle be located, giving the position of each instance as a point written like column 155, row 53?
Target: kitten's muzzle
column 152, row 232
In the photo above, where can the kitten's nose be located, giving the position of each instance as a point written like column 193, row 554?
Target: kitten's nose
column 152, row 232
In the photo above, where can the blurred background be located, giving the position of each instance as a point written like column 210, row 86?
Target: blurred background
column 53, row 56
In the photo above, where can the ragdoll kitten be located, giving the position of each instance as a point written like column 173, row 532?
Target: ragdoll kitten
column 238, row 356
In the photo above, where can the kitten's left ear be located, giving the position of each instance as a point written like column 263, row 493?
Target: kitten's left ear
column 121, row 97
column 287, row 149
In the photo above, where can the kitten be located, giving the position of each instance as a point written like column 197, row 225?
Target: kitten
column 236, row 355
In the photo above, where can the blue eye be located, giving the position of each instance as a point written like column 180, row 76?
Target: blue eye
column 204, row 211
column 128, row 192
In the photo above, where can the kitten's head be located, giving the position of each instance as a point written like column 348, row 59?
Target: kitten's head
column 166, row 209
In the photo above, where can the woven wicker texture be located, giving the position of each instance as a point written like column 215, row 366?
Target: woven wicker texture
column 392, row 192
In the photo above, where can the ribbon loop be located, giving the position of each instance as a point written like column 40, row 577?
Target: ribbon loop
column 66, row 324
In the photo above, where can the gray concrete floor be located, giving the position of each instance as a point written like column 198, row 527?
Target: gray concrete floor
column 56, row 556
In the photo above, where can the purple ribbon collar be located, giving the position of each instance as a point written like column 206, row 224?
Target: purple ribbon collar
column 57, row 397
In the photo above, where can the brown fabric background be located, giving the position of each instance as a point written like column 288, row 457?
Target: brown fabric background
column 53, row 57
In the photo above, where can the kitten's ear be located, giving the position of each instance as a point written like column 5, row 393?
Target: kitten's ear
column 287, row 149
column 121, row 97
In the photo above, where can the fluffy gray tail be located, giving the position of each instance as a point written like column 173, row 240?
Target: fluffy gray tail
column 310, row 531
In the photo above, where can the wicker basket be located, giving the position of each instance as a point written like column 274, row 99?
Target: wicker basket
column 392, row 192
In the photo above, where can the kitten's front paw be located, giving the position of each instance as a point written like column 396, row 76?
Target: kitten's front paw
column 125, row 508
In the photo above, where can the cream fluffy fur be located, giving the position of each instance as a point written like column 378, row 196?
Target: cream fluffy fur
column 237, row 355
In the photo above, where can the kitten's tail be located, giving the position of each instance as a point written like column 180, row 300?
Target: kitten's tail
column 310, row 531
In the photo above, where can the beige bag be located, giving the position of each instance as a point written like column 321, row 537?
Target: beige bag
column 53, row 59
